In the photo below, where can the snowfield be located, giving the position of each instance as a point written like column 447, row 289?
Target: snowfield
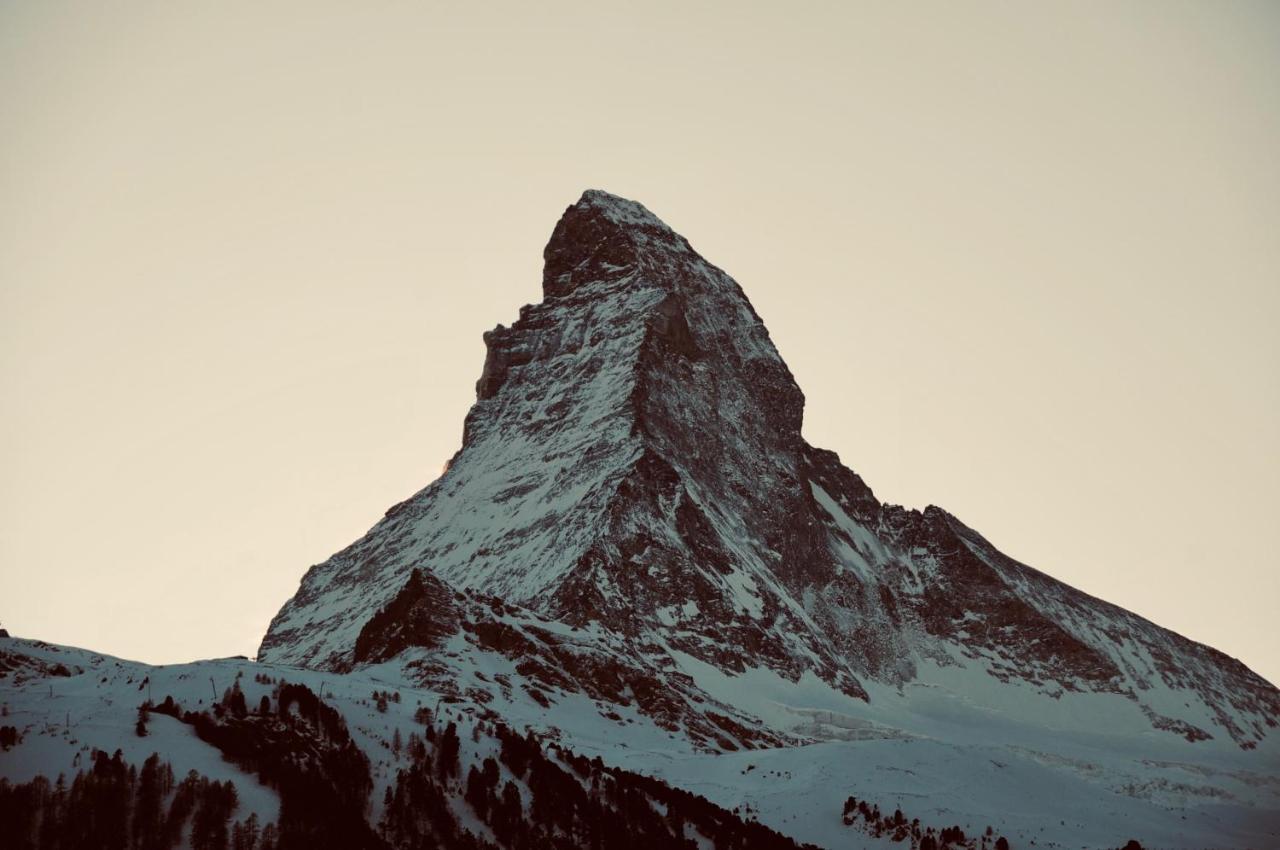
column 928, row 750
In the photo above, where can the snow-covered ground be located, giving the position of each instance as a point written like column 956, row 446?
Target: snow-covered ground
column 62, row 719
column 941, row 754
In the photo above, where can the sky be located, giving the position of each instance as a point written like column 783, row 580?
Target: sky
column 1022, row 259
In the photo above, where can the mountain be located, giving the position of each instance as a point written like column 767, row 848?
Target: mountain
column 287, row 758
column 634, row 467
column 638, row 609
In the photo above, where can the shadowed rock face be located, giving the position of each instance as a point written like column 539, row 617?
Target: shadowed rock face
column 422, row 614
column 634, row 462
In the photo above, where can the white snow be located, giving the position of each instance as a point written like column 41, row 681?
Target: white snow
column 948, row 749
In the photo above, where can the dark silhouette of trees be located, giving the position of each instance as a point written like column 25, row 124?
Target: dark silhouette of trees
column 244, row 836
column 478, row 794
column 114, row 806
column 155, row 782
column 868, row 817
column 576, row 803
column 209, row 824
column 304, row 751
column 448, row 747
column 233, row 700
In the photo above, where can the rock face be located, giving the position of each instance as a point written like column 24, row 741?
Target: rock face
column 633, row 469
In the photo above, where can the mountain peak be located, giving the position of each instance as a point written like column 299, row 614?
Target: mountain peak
column 634, row 467
column 601, row 236
column 622, row 211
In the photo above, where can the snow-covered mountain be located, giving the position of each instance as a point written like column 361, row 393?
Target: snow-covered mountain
column 667, row 620
column 634, row 467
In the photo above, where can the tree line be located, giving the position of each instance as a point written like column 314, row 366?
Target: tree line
column 115, row 806
column 571, row 803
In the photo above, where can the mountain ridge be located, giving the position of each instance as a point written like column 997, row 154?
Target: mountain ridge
column 634, row 459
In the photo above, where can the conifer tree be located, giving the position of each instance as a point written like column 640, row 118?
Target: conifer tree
column 449, row 745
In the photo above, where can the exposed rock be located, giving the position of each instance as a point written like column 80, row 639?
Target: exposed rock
column 422, row 614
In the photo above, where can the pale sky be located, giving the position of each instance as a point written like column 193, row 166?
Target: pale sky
column 1023, row 259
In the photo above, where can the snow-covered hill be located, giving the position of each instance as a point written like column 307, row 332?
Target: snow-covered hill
column 930, row 751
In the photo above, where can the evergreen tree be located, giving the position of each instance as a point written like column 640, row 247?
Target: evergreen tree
column 477, row 794
column 147, row 813
column 448, row 748
column 491, row 774
column 244, row 835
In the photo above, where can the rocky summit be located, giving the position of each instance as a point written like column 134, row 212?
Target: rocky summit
column 633, row 476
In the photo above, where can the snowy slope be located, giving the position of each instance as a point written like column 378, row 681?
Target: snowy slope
column 66, row 702
column 930, row 750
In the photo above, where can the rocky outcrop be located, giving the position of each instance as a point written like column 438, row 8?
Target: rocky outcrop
column 422, row 614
